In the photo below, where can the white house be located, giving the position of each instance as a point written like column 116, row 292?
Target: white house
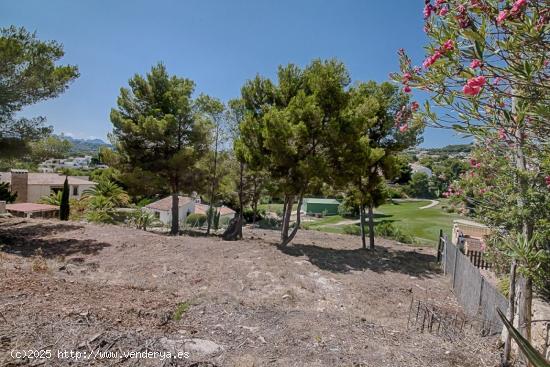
column 52, row 165
column 225, row 212
column 163, row 208
column 417, row 168
column 31, row 187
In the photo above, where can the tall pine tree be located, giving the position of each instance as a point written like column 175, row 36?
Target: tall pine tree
column 159, row 132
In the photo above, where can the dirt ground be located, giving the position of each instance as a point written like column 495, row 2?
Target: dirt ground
column 88, row 289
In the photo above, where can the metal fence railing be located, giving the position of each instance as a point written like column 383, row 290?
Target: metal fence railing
column 478, row 297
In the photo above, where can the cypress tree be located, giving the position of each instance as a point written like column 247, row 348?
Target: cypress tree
column 64, row 208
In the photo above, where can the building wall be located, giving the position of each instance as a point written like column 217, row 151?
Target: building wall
column 165, row 216
column 319, row 208
column 36, row 192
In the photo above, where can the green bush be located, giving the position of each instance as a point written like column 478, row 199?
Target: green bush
column 389, row 230
column 352, row 229
column 269, row 223
column 384, row 229
column 248, row 214
column 195, row 220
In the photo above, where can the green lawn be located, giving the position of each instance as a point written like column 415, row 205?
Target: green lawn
column 422, row 224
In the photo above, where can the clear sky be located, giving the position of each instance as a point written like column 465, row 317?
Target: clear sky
column 217, row 43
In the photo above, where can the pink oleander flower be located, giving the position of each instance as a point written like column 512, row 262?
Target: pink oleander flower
column 403, row 128
column 547, row 180
column 443, row 12
column 440, row 2
column 516, row 8
column 427, row 11
column 406, row 77
column 449, row 45
column 432, row 59
column 473, row 86
column 407, row 89
column 474, row 163
column 475, row 63
column 502, row 16
column 501, row 134
column 475, row 3
column 414, row 106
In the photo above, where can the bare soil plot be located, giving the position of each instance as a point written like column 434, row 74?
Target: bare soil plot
column 320, row 302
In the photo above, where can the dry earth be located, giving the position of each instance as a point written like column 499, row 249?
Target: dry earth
column 320, row 302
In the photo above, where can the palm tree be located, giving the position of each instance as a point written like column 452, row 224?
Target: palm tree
column 100, row 209
column 110, row 191
column 53, row 199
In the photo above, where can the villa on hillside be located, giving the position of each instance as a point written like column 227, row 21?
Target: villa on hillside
column 52, row 165
column 31, row 187
column 162, row 209
column 418, row 168
column 225, row 212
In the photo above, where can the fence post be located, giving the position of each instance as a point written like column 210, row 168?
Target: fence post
column 439, row 245
column 454, row 269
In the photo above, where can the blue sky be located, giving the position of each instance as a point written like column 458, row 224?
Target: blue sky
column 218, row 44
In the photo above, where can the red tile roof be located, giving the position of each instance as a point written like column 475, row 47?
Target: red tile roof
column 203, row 209
column 166, row 203
column 30, row 207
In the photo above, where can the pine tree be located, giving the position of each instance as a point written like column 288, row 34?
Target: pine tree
column 64, row 208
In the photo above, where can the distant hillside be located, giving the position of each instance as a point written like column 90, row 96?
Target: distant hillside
column 452, row 149
column 85, row 146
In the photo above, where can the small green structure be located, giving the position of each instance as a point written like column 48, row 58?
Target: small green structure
column 320, row 206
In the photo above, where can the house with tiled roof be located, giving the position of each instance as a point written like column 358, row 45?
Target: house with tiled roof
column 225, row 212
column 31, row 187
column 162, row 209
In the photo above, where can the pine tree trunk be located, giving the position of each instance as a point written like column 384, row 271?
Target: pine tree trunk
column 371, row 227
column 241, row 204
column 290, row 237
column 362, row 225
column 214, row 177
column 175, row 227
column 286, row 218
column 254, row 203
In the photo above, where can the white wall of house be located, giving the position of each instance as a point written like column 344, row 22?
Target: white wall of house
column 165, row 216
column 36, row 192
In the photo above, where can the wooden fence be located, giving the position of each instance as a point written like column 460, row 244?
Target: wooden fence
column 478, row 297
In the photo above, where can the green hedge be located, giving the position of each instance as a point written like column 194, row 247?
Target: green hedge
column 195, row 220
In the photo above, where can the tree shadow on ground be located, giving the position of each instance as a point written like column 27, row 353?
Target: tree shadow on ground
column 380, row 260
column 26, row 240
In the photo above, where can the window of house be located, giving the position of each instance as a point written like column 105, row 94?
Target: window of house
column 157, row 215
column 75, row 190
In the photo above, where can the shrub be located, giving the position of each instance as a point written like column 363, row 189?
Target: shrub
column 248, row 214
column 195, row 220
column 269, row 223
column 348, row 210
column 182, row 308
column 389, row 230
column 396, row 192
column 353, row 229
column 383, row 229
